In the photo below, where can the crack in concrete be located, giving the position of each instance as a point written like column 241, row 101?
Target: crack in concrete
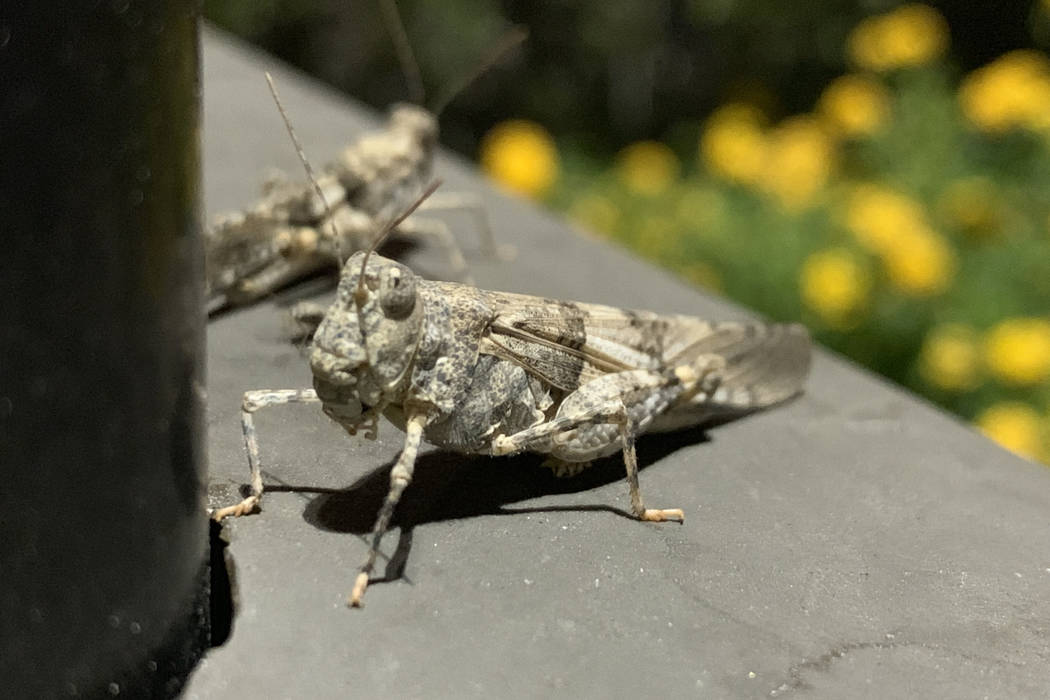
column 824, row 662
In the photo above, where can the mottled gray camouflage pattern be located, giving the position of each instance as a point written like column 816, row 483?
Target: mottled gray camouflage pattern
column 496, row 373
column 481, row 364
column 287, row 235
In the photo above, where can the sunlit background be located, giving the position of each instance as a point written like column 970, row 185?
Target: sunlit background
column 879, row 171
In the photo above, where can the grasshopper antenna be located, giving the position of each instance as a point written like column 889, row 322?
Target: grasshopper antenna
column 514, row 37
column 360, row 294
column 306, row 164
column 405, row 55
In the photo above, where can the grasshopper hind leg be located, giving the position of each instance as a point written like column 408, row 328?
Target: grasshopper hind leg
column 564, row 469
column 630, row 460
column 606, row 411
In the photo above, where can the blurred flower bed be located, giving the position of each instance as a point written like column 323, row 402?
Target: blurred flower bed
column 905, row 218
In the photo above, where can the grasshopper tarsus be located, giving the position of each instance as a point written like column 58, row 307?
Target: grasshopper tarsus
column 662, row 515
column 248, row 505
column 355, row 599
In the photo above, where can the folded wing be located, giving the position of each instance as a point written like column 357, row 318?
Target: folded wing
column 568, row 344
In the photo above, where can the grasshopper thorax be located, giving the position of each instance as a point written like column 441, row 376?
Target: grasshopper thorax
column 363, row 350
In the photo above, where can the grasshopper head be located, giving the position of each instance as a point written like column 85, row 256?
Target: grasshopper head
column 417, row 122
column 363, row 349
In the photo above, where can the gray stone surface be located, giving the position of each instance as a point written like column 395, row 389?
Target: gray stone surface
column 855, row 543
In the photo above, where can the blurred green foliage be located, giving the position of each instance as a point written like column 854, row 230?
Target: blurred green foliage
column 607, row 72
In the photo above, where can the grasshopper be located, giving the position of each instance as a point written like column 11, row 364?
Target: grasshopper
column 300, row 228
column 286, row 236
column 495, row 373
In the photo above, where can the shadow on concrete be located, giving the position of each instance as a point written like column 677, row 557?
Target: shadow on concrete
column 447, row 485
column 221, row 585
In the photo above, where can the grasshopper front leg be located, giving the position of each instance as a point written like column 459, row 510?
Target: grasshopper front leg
column 400, row 475
column 252, row 402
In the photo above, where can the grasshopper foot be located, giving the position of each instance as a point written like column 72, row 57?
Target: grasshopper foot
column 243, row 508
column 354, row 601
column 659, row 515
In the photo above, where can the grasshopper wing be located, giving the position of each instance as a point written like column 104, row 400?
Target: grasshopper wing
column 568, row 344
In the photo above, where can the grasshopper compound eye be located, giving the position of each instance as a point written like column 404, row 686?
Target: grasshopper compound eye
column 397, row 292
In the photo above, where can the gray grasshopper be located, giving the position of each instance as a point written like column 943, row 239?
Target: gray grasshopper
column 300, row 228
column 494, row 373
column 286, row 235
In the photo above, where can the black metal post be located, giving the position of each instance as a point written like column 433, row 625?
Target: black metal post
column 102, row 529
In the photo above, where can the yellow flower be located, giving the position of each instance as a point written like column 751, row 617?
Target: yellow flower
column 521, row 156
column 920, row 263
column 1015, row 426
column 799, row 160
column 909, row 35
column 1011, row 91
column 733, row 144
column 835, row 285
column 1017, row 351
column 950, row 358
column 974, row 206
column 596, row 213
column 877, row 216
column 855, row 105
column 918, row 260
column 647, row 167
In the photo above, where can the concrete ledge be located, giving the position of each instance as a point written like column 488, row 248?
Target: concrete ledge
column 855, row 543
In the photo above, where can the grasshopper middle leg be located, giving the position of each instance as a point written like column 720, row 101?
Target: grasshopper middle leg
column 400, row 478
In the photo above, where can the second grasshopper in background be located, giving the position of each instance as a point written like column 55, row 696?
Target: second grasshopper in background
column 288, row 235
